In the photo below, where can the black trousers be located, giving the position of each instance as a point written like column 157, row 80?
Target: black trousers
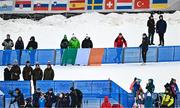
column 144, row 53
column 161, row 39
column 151, row 37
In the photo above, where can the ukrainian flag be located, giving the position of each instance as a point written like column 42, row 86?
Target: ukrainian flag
column 95, row 5
column 159, row 4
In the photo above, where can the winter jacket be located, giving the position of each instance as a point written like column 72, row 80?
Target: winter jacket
column 16, row 71
column 19, row 45
column 74, row 43
column 167, row 100
column 7, row 74
column 59, row 103
column 37, row 74
column 32, row 44
column 174, row 89
column 36, row 97
column 19, row 98
column 161, row 26
column 151, row 26
column 136, row 87
column 27, row 72
column 8, row 44
column 119, row 41
column 76, row 97
column 87, row 43
column 145, row 43
column 48, row 74
column 106, row 103
column 66, row 100
column 50, row 99
column 150, row 87
column 64, row 43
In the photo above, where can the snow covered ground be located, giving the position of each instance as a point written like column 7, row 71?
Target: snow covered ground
column 103, row 29
column 122, row 74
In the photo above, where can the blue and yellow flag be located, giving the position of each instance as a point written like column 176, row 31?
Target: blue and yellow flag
column 95, row 5
column 159, row 4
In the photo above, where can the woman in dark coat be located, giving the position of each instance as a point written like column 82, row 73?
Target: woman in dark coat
column 144, row 46
column 37, row 74
column 16, row 71
column 151, row 29
column 48, row 73
column 19, row 46
column 27, row 71
column 8, row 73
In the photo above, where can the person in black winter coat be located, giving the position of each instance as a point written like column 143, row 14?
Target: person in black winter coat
column 66, row 100
column 64, row 43
column 144, row 46
column 8, row 73
column 36, row 96
column 16, row 71
column 151, row 29
column 32, row 46
column 87, row 43
column 19, row 46
column 150, row 86
column 60, row 101
column 161, row 27
column 76, row 97
column 27, row 71
column 37, row 74
column 19, row 98
column 50, row 98
column 48, row 73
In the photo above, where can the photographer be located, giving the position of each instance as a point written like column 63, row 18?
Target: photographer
column 19, row 98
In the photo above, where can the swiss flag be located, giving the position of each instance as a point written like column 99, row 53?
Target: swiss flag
column 109, row 4
column 141, row 4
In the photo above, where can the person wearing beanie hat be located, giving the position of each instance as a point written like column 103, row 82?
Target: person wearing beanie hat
column 151, row 29
column 161, row 27
column 19, row 98
column 118, row 44
column 27, row 71
column 36, row 97
column 16, row 71
column 37, row 74
column 174, row 88
column 64, row 43
column 144, row 46
column 8, row 73
column 76, row 98
column 19, row 46
column 48, row 73
column 87, row 43
column 50, row 98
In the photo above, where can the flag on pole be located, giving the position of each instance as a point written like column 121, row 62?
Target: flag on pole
column 58, row 5
column 41, row 5
column 124, row 4
column 23, row 5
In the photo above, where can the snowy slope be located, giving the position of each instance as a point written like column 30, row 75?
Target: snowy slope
column 122, row 74
column 103, row 29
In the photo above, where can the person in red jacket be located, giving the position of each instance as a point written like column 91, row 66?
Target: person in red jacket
column 118, row 44
column 106, row 103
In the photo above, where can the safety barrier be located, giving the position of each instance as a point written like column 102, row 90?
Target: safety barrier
column 94, row 56
column 2, row 98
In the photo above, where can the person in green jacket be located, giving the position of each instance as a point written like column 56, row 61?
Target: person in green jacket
column 74, row 43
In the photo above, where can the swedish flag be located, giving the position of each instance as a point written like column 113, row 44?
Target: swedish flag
column 95, row 5
column 159, row 4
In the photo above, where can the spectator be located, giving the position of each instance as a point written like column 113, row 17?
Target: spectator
column 27, row 71
column 74, row 42
column 19, row 46
column 50, row 98
column 37, row 74
column 161, row 27
column 8, row 73
column 19, row 98
column 87, row 43
column 150, row 89
column 42, row 101
column 32, row 46
column 48, row 72
column 64, row 43
column 106, row 103
column 16, row 71
column 60, row 101
column 167, row 100
column 150, row 86
column 132, row 84
column 118, row 44
column 140, row 99
column 144, row 47
column 76, row 97
column 151, row 29
column 66, row 100
column 36, row 97
column 8, row 44
column 174, row 89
